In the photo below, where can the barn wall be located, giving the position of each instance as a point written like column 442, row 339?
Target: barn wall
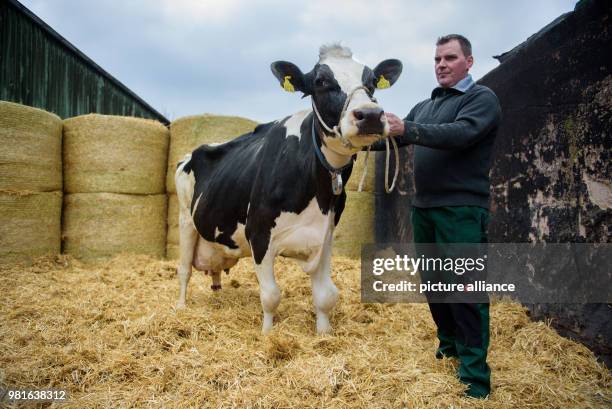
column 40, row 68
column 551, row 175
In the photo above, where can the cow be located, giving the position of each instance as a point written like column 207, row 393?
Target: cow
column 279, row 190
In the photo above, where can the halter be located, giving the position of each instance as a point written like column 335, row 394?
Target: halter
column 336, row 129
column 336, row 173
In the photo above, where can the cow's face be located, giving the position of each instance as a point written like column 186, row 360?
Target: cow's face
column 336, row 77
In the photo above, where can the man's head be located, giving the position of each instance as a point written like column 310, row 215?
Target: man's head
column 453, row 59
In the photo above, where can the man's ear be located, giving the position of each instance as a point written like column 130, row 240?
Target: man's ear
column 387, row 72
column 289, row 76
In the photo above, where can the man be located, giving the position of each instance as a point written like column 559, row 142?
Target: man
column 453, row 131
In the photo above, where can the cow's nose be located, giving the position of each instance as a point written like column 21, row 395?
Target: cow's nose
column 368, row 114
column 369, row 120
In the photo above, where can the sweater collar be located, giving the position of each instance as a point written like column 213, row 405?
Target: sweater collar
column 462, row 87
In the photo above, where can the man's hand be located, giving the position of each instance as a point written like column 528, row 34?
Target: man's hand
column 396, row 125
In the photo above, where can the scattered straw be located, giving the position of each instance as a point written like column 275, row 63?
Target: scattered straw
column 30, row 148
column 105, row 153
column 108, row 333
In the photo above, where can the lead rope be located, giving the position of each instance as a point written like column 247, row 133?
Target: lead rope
column 397, row 164
column 336, row 131
column 387, row 157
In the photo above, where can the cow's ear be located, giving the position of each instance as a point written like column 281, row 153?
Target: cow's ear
column 387, row 72
column 289, row 76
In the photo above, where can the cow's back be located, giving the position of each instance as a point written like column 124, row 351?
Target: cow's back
column 223, row 175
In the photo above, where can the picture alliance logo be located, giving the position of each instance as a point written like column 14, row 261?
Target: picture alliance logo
column 458, row 265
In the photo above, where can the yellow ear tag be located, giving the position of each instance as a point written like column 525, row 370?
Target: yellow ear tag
column 287, row 85
column 382, row 83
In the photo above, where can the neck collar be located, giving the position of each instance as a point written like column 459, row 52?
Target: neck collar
column 336, row 173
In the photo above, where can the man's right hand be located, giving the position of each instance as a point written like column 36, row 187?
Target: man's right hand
column 396, row 125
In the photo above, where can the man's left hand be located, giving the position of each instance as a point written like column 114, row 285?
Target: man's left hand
column 396, row 125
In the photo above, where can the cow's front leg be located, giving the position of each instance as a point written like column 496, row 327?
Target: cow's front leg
column 324, row 291
column 269, row 293
column 187, row 246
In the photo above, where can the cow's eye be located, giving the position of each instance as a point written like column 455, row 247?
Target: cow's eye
column 322, row 82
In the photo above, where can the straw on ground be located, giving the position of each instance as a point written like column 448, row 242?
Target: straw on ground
column 108, row 333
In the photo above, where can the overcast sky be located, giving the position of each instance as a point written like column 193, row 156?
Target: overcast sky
column 187, row 57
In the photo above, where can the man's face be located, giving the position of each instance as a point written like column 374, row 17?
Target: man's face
column 451, row 65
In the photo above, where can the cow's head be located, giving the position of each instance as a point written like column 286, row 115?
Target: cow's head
column 336, row 77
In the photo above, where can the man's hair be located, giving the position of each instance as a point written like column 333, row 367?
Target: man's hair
column 466, row 46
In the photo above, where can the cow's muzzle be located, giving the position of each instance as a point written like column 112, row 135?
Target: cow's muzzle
column 369, row 121
column 336, row 129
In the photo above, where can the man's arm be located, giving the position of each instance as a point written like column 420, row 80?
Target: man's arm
column 396, row 128
column 478, row 115
column 475, row 119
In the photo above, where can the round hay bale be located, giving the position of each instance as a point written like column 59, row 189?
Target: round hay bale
column 104, row 153
column 356, row 225
column 189, row 132
column 30, row 149
column 30, row 225
column 98, row 225
column 172, row 241
column 358, row 169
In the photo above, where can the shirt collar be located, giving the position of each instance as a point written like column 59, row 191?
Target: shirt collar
column 462, row 86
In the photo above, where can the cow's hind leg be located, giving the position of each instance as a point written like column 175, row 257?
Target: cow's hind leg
column 324, row 291
column 188, row 240
column 269, row 293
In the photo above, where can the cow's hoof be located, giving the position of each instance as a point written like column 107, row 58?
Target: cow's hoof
column 215, row 287
column 323, row 327
column 180, row 305
column 267, row 323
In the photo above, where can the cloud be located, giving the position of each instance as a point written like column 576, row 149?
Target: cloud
column 191, row 56
column 199, row 12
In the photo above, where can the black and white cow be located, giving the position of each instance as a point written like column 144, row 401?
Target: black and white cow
column 278, row 190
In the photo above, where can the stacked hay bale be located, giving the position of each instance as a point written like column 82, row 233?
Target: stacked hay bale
column 186, row 134
column 114, row 170
column 30, row 182
column 356, row 225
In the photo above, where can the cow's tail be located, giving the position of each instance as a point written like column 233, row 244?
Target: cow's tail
column 188, row 237
column 184, row 180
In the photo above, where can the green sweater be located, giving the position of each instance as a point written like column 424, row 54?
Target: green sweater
column 454, row 133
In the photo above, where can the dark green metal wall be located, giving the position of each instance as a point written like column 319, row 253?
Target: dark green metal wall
column 40, row 69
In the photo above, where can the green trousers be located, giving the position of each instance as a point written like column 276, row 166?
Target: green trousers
column 463, row 329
